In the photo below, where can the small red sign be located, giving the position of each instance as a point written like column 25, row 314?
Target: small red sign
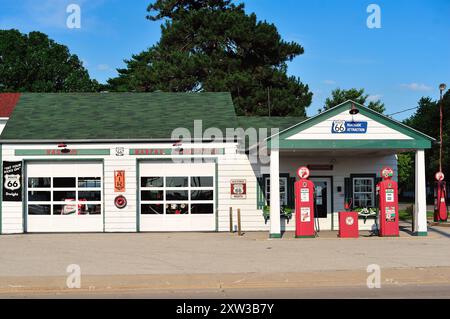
column 238, row 189
column 119, row 181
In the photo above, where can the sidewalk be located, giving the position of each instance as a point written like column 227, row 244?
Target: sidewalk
column 197, row 260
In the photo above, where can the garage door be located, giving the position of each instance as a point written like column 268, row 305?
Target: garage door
column 64, row 197
column 177, row 197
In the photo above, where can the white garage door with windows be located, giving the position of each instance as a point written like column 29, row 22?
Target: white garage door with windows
column 64, row 197
column 177, row 197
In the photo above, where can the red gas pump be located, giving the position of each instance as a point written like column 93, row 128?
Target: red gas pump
column 388, row 201
column 304, row 205
column 440, row 205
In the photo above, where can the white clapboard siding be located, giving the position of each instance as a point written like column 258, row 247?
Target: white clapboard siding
column 375, row 130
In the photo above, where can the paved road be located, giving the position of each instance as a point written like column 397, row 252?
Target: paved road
column 409, row 292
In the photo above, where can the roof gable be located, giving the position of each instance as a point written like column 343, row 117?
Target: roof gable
column 336, row 128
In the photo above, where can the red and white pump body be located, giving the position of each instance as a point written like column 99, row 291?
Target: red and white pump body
column 388, row 201
column 440, row 204
column 304, row 205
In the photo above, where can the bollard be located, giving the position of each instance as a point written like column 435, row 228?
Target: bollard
column 231, row 219
column 239, row 222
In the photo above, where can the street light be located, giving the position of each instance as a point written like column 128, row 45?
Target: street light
column 442, row 88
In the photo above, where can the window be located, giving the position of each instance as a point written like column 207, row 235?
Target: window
column 64, row 196
column 363, row 192
column 177, row 195
column 283, row 190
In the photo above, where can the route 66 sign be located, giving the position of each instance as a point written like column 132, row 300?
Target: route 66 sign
column 338, row 126
column 12, row 181
column 238, row 189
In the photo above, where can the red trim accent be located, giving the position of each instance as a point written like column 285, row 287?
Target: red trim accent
column 8, row 102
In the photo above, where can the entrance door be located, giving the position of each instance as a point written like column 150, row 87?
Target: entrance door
column 323, row 196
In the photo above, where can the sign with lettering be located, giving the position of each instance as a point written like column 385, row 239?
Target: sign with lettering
column 119, row 181
column 12, row 181
column 178, row 151
column 238, row 189
column 345, row 127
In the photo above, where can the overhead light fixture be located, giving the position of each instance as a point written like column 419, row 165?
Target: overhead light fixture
column 64, row 150
column 354, row 110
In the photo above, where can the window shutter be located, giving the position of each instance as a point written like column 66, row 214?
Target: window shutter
column 291, row 192
column 377, row 180
column 260, row 197
column 348, row 193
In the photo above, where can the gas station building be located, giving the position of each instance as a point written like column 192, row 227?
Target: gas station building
column 109, row 162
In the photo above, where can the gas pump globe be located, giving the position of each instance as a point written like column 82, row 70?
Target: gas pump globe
column 388, row 201
column 440, row 198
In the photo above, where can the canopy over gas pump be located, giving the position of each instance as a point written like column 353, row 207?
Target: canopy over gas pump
column 304, row 205
column 388, row 201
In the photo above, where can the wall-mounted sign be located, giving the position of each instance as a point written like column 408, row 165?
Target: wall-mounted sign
column 345, row 127
column 120, row 151
column 120, row 202
column 238, row 189
column 59, row 152
column 12, row 181
column 178, row 151
column 119, row 181
column 320, row 167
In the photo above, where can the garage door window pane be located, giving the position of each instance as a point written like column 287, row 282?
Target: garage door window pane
column 202, row 181
column 39, row 210
column 39, row 182
column 156, row 209
column 64, row 182
column 90, row 196
column 177, row 182
column 68, row 209
column 202, row 209
column 89, row 182
column 152, row 195
column 90, row 209
column 176, row 195
column 152, row 182
column 62, row 196
column 39, row 196
column 202, row 195
column 177, row 209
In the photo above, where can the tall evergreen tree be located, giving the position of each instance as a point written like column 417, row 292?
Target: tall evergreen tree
column 35, row 63
column 214, row 45
column 339, row 96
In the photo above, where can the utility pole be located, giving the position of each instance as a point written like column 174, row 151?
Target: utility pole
column 442, row 88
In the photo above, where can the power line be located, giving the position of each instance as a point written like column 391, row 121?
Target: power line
column 407, row 110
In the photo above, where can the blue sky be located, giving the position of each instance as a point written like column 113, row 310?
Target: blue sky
column 404, row 60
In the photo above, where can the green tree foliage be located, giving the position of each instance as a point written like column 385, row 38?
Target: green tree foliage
column 35, row 63
column 339, row 96
column 213, row 45
column 426, row 120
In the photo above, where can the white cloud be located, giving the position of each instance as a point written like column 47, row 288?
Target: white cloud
column 329, row 82
column 416, row 87
column 104, row 67
column 374, row 98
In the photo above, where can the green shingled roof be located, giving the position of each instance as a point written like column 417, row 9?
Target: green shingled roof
column 125, row 116
column 115, row 116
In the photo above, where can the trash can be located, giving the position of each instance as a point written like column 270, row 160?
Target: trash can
column 348, row 225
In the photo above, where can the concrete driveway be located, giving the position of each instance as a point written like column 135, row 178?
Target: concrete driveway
column 198, row 260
